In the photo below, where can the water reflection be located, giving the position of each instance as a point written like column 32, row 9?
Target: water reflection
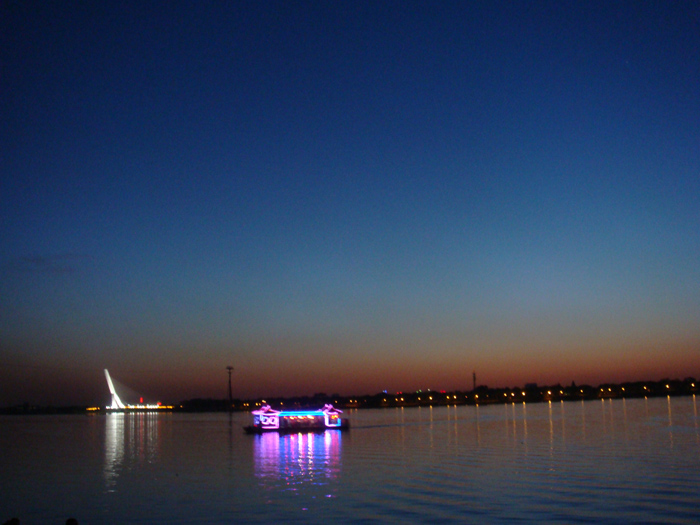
column 452, row 417
column 670, row 422
column 478, row 426
column 563, row 422
column 129, row 438
column 551, row 430
column 695, row 411
column 524, row 416
column 297, row 459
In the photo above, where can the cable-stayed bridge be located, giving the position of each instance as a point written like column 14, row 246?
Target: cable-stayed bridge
column 117, row 405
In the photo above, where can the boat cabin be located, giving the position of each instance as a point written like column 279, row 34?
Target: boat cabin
column 267, row 419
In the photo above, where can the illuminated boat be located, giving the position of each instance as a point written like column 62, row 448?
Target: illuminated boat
column 291, row 421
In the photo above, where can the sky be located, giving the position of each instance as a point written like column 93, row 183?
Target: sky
column 346, row 197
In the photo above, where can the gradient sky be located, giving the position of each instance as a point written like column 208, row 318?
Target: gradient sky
column 346, row 196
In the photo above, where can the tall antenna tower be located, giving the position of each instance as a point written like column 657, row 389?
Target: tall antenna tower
column 230, row 395
column 474, row 379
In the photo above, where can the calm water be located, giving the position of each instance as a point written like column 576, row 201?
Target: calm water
column 597, row 461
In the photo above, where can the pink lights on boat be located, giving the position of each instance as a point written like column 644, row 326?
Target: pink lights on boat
column 268, row 418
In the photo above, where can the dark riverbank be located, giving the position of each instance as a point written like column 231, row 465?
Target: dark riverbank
column 530, row 393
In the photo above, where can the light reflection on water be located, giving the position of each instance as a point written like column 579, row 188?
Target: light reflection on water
column 625, row 460
column 129, row 438
column 290, row 461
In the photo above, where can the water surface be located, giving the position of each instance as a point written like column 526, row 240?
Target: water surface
column 609, row 461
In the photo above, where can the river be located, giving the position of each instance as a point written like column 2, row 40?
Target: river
column 606, row 461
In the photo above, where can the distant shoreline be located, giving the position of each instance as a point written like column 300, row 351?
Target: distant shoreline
column 481, row 395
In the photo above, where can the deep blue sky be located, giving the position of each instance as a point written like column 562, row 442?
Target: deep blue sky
column 346, row 196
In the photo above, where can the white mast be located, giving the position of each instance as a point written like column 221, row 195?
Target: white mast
column 116, row 402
